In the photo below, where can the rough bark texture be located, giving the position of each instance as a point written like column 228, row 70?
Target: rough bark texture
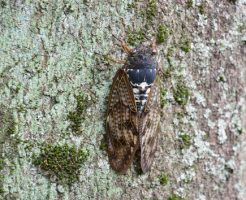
column 55, row 74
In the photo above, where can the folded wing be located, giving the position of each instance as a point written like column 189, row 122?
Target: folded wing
column 149, row 127
column 122, row 123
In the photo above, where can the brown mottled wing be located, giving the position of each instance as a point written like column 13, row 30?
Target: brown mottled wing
column 149, row 124
column 122, row 135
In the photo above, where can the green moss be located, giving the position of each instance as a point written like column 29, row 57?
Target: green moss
column 131, row 6
column 103, row 145
column 68, row 9
column 7, row 124
column 11, row 128
column 241, row 28
column 164, row 179
column 151, row 10
column 170, row 52
column 163, row 97
column 162, row 34
column 238, row 129
column 181, row 94
column 1, row 164
column 185, row 45
column 229, row 169
column 174, row 197
column 189, row 3
column 76, row 117
column 206, row 136
column 185, row 141
column 180, row 115
column 201, row 9
column 3, row 4
column 135, row 37
column 222, row 79
column 61, row 161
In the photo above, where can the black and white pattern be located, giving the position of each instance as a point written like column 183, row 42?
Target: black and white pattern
column 141, row 81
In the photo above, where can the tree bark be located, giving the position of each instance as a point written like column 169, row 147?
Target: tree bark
column 55, row 74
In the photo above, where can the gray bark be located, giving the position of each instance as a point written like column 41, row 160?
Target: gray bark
column 56, row 69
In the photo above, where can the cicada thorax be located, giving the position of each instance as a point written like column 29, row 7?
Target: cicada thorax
column 141, row 71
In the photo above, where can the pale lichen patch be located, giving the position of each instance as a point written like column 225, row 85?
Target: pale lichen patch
column 222, row 136
column 200, row 98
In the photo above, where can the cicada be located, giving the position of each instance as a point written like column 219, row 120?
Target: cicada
column 133, row 111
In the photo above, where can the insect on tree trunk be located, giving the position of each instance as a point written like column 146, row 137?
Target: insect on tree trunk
column 56, row 75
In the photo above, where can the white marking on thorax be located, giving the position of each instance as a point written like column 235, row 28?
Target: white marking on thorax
column 142, row 86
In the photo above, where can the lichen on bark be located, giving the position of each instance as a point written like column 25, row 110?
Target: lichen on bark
column 55, row 78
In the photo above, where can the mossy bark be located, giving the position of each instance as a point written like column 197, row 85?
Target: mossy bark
column 55, row 73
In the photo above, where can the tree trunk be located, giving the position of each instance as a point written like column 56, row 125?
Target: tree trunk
column 56, row 70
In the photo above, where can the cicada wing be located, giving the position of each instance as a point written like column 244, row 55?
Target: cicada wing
column 122, row 135
column 149, row 124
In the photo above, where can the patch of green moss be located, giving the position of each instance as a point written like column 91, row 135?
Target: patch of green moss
column 163, row 97
column 222, row 79
column 228, row 168
column 164, row 179
column 170, row 52
column 185, row 45
column 61, row 161
column 162, row 34
column 189, row 3
column 11, row 129
column 239, row 130
column 180, row 115
column 181, row 94
column 186, row 140
column 68, row 9
column 241, row 28
column 1, row 164
column 151, row 10
column 201, row 9
column 76, row 117
column 7, row 124
column 103, row 146
column 131, row 6
column 135, row 37
column 175, row 197
column 3, row 4
column 206, row 136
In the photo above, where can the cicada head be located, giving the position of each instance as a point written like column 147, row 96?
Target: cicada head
column 142, row 57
